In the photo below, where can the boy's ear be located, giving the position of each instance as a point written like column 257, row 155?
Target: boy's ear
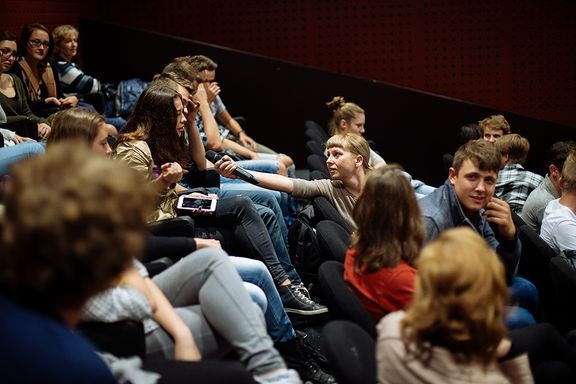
column 452, row 175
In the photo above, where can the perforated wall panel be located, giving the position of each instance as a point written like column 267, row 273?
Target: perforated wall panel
column 517, row 55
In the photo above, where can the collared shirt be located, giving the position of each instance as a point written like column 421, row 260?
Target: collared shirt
column 514, row 184
column 533, row 210
column 442, row 210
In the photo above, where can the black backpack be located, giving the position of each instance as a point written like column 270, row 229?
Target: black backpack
column 303, row 244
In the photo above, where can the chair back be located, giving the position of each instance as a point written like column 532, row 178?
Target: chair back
column 314, row 147
column 317, row 163
column 340, row 299
column 564, row 282
column 350, row 351
column 314, row 131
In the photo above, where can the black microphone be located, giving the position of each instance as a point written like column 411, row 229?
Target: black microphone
column 240, row 172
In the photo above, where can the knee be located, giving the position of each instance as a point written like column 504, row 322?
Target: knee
column 211, row 256
column 282, row 169
column 286, row 160
column 257, row 295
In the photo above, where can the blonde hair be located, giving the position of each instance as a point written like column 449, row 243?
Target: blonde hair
column 62, row 32
column 355, row 144
column 515, row 146
column 495, row 122
column 341, row 110
column 459, row 299
column 389, row 224
column 569, row 173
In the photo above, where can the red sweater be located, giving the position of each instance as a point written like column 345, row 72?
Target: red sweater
column 384, row 291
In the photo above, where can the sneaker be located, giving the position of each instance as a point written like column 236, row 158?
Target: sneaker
column 282, row 376
column 296, row 302
column 302, row 288
column 303, row 357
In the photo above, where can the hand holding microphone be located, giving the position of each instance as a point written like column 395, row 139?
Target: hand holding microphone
column 239, row 172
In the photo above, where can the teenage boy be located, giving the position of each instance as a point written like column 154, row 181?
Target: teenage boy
column 494, row 127
column 551, row 186
column 559, row 224
column 467, row 199
column 515, row 183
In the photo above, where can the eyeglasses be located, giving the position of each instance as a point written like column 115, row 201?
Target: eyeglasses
column 7, row 52
column 37, row 43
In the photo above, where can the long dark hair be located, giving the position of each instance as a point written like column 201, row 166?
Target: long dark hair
column 154, row 120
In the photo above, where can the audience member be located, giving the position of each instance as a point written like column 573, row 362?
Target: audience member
column 464, row 134
column 347, row 163
column 515, row 183
column 453, row 331
column 379, row 264
column 88, row 127
column 551, row 186
column 233, row 137
column 62, row 209
column 20, row 118
column 348, row 117
column 38, row 76
column 494, row 127
column 467, row 199
column 73, row 81
column 559, row 223
column 153, row 135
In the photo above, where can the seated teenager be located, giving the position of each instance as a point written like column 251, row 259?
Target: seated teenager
column 347, row 163
column 467, row 199
column 88, row 129
column 379, row 264
column 453, row 331
column 551, row 186
column 515, row 183
column 559, row 223
column 13, row 97
column 38, row 76
column 154, row 136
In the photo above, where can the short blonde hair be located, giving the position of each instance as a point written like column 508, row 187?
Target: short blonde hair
column 495, row 122
column 459, row 298
column 569, row 173
column 355, row 144
column 62, row 32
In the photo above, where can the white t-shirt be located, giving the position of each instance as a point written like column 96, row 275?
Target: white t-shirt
column 559, row 227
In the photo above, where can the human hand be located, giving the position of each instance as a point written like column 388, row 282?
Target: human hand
column 205, row 243
column 19, row 139
column 171, row 173
column 185, row 348
column 69, row 102
column 43, row 130
column 498, row 212
column 254, row 156
column 225, row 166
column 52, row 100
column 201, row 95
column 246, row 140
column 212, row 90
column 503, row 348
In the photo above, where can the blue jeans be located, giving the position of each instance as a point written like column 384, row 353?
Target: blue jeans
column 525, row 295
column 11, row 155
column 270, row 212
column 277, row 321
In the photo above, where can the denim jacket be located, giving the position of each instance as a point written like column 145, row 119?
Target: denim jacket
column 441, row 210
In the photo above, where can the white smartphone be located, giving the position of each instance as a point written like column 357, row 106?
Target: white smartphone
column 197, row 204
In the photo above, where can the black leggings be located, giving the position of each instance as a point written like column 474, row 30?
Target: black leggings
column 552, row 359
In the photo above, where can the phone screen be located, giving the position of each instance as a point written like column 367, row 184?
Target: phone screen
column 196, row 203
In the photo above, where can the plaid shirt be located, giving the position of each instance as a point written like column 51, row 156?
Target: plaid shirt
column 514, row 184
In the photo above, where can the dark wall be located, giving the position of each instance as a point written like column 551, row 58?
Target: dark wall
column 410, row 127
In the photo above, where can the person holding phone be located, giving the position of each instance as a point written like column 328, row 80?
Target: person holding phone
column 467, row 199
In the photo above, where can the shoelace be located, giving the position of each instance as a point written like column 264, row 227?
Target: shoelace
column 303, row 290
column 302, row 296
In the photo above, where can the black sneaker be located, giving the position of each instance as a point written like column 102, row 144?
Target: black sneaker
column 296, row 302
column 302, row 357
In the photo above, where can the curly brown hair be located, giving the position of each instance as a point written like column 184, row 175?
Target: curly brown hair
column 73, row 222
